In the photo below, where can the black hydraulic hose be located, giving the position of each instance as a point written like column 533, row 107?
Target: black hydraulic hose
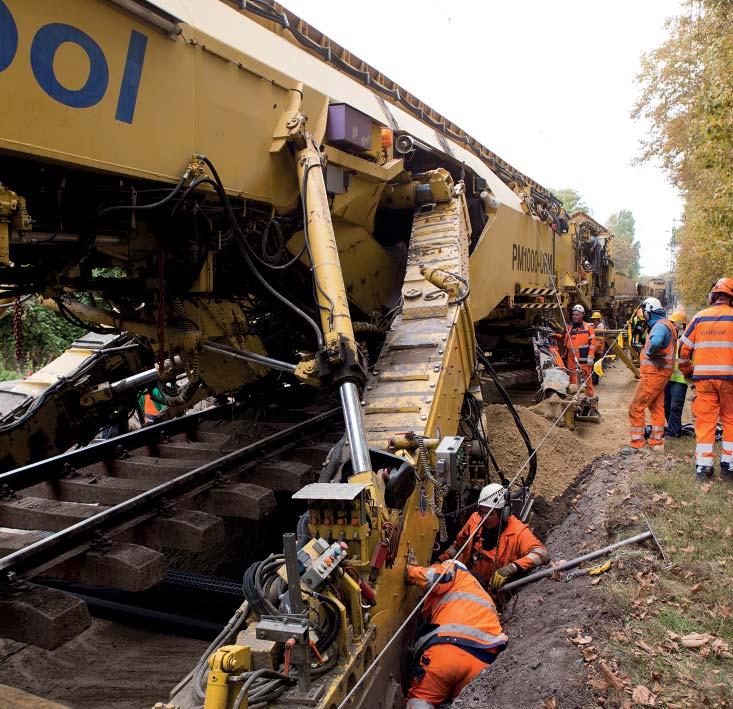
column 334, row 461
column 243, row 249
column 138, row 207
column 518, row 421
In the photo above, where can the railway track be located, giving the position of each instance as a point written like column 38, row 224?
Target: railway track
column 121, row 513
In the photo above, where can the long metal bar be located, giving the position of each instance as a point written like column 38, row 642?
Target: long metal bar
column 251, row 357
column 296, row 603
column 79, row 537
column 59, row 465
column 575, row 562
column 134, row 381
column 351, row 403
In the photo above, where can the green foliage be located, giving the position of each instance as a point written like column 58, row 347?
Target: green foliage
column 45, row 336
column 572, row 200
column 625, row 248
column 687, row 98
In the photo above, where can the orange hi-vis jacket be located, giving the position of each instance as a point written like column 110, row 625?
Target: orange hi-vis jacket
column 706, row 348
column 664, row 356
column 517, row 544
column 459, row 611
column 580, row 344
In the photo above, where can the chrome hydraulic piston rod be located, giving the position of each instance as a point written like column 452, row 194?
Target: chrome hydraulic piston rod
column 333, row 304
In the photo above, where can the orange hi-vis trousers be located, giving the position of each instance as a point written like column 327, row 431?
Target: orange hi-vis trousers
column 713, row 400
column 447, row 670
column 649, row 395
column 586, row 373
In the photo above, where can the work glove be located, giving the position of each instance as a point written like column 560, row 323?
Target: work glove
column 502, row 575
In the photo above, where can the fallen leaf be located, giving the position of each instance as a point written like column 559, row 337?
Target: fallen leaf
column 706, row 487
column 582, row 640
column 595, row 582
column 599, row 685
column 688, row 549
column 696, row 588
column 620, row 637
column 728, row 532
column 589, row 654
column 611, row 677
column 720, row 647
column 645, row 647
column 642, row 695
column 695, row 639
column 549, row 703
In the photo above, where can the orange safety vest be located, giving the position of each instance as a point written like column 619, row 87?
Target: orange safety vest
column 516, row 542
column 665, row 355
column 706, row 348
column 580, row 343
column 461, row 613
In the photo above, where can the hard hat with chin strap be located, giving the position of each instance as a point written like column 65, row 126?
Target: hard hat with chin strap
column 596, row 315
column 578, row 308
column 651, row 305
column 679, row 317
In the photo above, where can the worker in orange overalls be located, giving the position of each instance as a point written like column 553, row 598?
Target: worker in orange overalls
column 503, row 547
column 706, row 354
column 657, row 361
column 580, row 348
column 463, row 636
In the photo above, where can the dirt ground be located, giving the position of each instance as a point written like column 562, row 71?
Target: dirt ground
column 108, row 666
column 563, row 454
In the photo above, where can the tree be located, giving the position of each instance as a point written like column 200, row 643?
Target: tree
column 625, row 248
column 572, row 200
column 687, row 98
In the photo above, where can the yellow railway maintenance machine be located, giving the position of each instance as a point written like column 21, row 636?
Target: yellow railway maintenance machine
column 248, row 200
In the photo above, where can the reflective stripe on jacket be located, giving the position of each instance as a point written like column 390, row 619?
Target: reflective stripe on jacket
column 517, row 544
column 580, row 344
column 706, row 348
column 664, row 356
column 460, row 613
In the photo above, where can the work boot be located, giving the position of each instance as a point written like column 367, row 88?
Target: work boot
column 704, row 473
column 725, row 472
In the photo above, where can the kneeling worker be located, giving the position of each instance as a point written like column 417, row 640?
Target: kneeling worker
column 503, row 547
column 463, row 635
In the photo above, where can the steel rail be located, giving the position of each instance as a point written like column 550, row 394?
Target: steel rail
column 60, row 465
column 45, row 553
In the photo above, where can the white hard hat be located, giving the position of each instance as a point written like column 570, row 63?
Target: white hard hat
column 651, row 305
column 492, row 495
column 578, row 308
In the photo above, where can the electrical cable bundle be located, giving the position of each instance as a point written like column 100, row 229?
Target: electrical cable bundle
column 262, row 586
column 475, row 422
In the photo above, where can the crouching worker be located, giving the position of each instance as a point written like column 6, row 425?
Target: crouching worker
column 503, row 547
column 463, row 634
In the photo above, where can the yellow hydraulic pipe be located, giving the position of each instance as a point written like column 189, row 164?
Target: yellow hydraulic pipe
column 323, row 251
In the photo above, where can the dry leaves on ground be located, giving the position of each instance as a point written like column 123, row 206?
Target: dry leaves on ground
column 695, row 639
column 611, row 677
column 642, row 695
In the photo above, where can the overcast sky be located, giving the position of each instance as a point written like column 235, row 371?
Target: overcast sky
column 546, row 86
